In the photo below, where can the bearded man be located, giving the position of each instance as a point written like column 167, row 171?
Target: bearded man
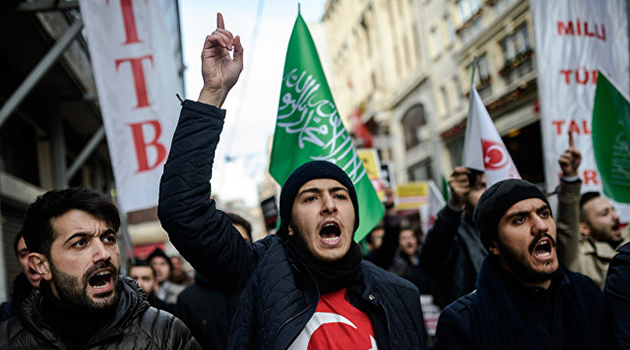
column 82, row 302
column 525, row 298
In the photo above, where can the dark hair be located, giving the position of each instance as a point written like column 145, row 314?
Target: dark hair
column 585, row 198
column 370, row 237
column 37, row 228
column 157, row 252
column 143, row 263
column 238, row 220
column 16, row 241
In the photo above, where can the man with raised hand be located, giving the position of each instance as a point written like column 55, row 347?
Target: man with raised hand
column 589, row 228
column 452, row 252
column 525, row 298
column 82, row 302
column 307, row 286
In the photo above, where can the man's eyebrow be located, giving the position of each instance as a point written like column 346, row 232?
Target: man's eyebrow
column 310, row 190
column 339, row 188
column 73, row 236
column 84, row 234
column 526, row 212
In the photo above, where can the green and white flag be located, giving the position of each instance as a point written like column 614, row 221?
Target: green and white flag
column 611, row 139
column 309, row 127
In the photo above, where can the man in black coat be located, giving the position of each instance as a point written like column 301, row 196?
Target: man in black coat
column 525, row 298
column 82, row 302
column 617, row 296
column 306, row 286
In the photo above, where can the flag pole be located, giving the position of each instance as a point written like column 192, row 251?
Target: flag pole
column 299, row 10
column 472, row 85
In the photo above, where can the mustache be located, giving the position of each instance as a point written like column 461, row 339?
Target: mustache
column 99, row 266
column 541, row 236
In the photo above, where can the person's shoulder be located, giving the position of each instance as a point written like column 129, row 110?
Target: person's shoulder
column 386, row 278
column 14, row 335
column 624, row 250
column 464, row 304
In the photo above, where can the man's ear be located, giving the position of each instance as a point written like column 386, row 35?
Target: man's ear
column 494, row 248
column 291, row 232
column 585, row 230
column 39, row 263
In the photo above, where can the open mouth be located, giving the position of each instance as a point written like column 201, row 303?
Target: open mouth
column 101, row 279
column 330, row 233
column 542, row 248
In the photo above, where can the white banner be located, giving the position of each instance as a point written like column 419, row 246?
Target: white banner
column 575, row 38
column 136, row 78
column 484, row 149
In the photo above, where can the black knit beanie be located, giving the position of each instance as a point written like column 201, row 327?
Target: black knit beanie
column 496, row 200
column 317, row 169
column 159, row 252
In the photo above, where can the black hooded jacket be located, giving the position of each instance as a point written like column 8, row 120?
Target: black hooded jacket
column 272, row 297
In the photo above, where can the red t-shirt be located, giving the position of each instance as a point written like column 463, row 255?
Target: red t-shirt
column 336, row 324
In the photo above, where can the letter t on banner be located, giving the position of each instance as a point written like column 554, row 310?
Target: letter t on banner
column 136, row 78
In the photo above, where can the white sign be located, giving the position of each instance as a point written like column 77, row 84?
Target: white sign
column 136, row 78
column 575, row 38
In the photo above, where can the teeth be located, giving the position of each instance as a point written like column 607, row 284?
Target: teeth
column 543, row 243
column 102, row 273
column 543, row 255
column 329, row 224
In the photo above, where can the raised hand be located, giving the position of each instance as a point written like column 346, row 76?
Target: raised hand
column 570, row 159
column 460, row 187
column 220, row 71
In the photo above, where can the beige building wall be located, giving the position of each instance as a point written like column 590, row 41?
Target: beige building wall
column 387, row 59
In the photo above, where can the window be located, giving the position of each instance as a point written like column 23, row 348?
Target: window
column 482, row 65
column 435, row 37
column 444, row 96
column 459, row 98
column 467, row 8
column 420, row 171
column 516, row 43
column 411, row 122
column 450, row 29
column 517, row 55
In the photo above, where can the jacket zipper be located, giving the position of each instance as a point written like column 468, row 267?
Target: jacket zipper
column 292, row 318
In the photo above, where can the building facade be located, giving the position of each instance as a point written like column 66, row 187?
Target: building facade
column 405, row 67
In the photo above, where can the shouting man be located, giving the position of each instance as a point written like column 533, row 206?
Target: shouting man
column 82, row 302
column 307, row 286
column 525, row 298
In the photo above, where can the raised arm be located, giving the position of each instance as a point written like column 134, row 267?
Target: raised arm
column 568, row 216
column 201, row 233
column 220, row 71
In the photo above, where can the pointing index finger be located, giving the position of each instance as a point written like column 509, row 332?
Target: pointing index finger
column 220, row 22
column 571, row 142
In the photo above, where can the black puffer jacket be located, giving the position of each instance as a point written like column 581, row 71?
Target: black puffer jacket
column 136, row 325
column 273, row 298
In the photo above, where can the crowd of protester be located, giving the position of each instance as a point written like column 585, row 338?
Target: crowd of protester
column 505, row 270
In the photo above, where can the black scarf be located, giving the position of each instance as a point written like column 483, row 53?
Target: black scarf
column 329, row 275
column 498, row 325
column 74, row 324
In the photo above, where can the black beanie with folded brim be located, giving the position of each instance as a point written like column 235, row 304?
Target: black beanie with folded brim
column 317, row 169
column 496, row 200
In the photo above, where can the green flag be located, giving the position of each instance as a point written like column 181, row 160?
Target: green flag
column 309, row 127
column 611, row 139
